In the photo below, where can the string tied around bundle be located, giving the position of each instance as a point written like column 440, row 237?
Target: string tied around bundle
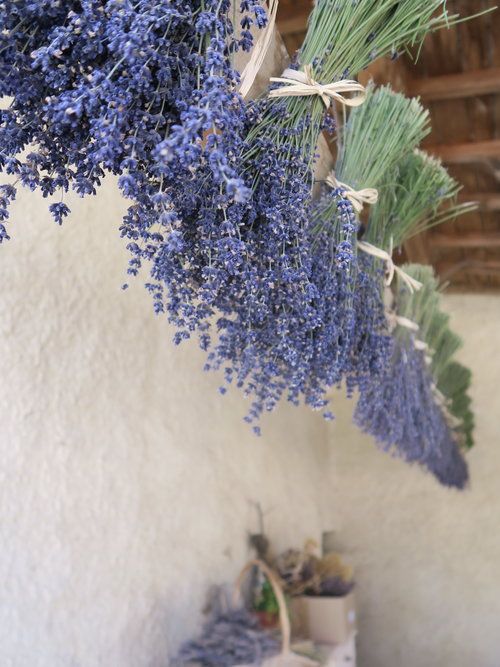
column 445, row 404
column 300, row 83
column 392, row 269
column 259, row 51
column 358, row 198
column 422, row 346
column 405, row 322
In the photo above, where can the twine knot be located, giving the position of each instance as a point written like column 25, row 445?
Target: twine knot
column 391, row 268
column 358, row 198
column 399, row 320
column 300, row 83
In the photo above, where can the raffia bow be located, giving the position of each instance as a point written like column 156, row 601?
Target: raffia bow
column 259, row 50
column 391, row 268
column 358, row 198
column 300, row 83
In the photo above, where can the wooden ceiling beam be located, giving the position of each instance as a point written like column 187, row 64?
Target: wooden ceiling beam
column 470, row 267
column 467, row 153
column 487, row 201
column 417, row 249
column 456, row 86
column 479, row 240
column 291, row 22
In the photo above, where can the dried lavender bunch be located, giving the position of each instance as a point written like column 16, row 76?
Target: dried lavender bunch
column 129, row 88
column 230, row 638
column 271, row 308
column 452, row 380
column 405, row 409
column 421, row 194
column 412, row 409
column 354, row 338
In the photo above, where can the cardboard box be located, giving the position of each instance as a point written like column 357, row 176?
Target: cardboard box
column 324, row 620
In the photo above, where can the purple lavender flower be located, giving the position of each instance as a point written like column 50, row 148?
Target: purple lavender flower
column 400, row 411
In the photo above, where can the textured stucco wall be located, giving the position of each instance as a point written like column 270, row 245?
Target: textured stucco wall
column 125, row 478
column 428, row 559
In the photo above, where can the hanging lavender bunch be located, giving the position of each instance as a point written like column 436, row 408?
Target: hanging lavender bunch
column 413, row 409
column 129, row 88
column 404, row 409
column 451, row 379
column 268, row 335
column 399, row 410
column 376, row 137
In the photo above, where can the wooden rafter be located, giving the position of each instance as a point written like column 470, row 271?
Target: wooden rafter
column 466, row 153
column 288, row 25
column 486, row 201
column 479, row 240
column 471, row 267
column 417, row 250
column 456, row 86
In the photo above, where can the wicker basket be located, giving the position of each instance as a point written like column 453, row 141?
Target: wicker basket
column 287, row 658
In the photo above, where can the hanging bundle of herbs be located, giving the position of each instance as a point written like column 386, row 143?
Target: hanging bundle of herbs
column 353, row 340
column 130, row 88
column 272, row 305
column 452, row 380
column 420, row 195
column 220, row 190
column 406, row 409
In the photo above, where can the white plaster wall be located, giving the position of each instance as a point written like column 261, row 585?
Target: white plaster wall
column 428, row 559
column 125, row 478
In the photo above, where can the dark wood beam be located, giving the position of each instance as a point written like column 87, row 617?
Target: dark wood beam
column 292, row 22
column 487, row 201
column 447, row 241
column 417, row 249
column 470, row 267
column 455, row 86
column 468, row 153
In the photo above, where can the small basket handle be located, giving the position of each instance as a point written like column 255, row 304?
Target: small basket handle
column 278, row 592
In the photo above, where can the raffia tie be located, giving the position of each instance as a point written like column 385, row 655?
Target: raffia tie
column 358, row 198
column 422, row 346
column 444, row 403
column 399, row 320
column 259, row 50
column 391, row 268
column 300, row 83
